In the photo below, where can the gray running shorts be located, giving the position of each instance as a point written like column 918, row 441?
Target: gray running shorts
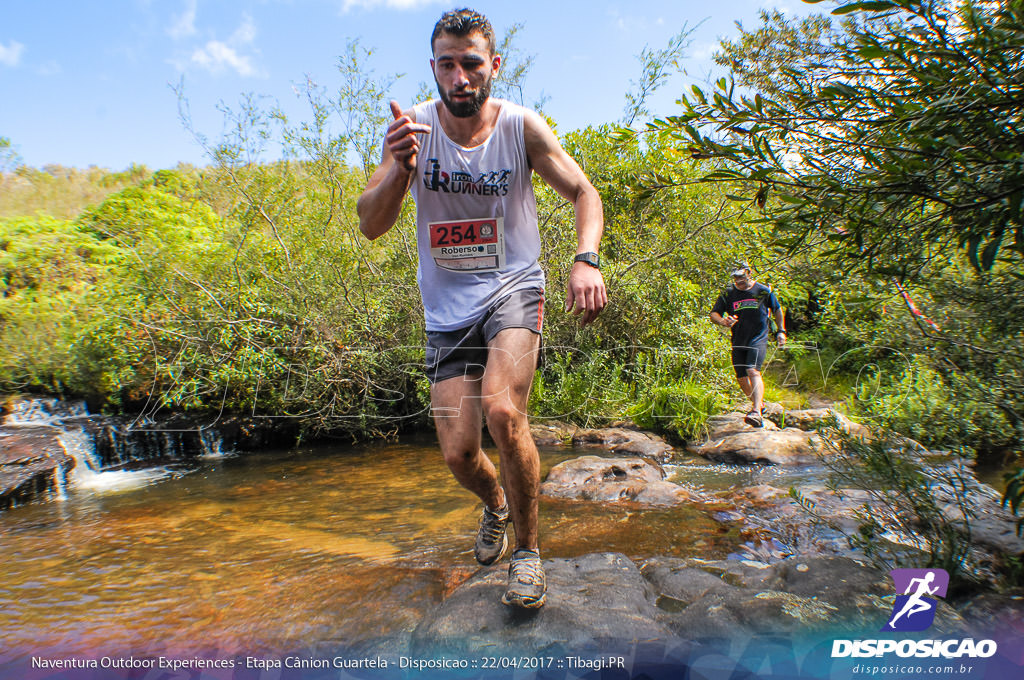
column 450, row 354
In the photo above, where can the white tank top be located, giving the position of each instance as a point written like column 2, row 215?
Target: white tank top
column 476, row 220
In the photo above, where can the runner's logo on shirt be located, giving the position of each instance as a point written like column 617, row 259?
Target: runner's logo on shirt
column 745, row 304
column 489, row 183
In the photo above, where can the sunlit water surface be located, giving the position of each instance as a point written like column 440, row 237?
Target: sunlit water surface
column 295, row 549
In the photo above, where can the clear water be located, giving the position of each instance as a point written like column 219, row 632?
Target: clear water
column 286, row 549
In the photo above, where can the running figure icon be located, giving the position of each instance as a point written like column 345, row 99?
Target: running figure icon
column 915, row 609
column 917, row 604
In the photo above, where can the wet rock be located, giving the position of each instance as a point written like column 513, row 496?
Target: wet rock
column 595, row 603
column 832, row 579
column 765, row 446
column 626, row 442
column 20, row 410
column 732, row 598
column 677, row 579
column 593, row 478
column 1007, row 608
column 728, row 424
column 33, row 462
column 772, row 411
column 551, row 433
column 809, row 419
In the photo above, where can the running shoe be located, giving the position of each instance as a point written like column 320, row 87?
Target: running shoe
column 491, row 540
column 526, row 585
column 753, row 419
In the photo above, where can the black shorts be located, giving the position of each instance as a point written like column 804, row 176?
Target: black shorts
column 748, row 356
column 450, row 354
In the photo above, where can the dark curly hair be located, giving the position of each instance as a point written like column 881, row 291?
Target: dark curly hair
column 462, row 22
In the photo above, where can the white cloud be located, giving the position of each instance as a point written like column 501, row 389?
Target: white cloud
column 185, row 24
column 245, row 33
column 49, row 68
column 388, row 4
column 11, row 55
column 216, row 57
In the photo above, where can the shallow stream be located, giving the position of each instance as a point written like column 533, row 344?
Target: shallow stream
column 287, row 549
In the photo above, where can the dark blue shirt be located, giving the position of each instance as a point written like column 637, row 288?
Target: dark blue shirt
column 752, row 308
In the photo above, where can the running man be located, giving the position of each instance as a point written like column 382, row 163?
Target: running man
column 744, row 307
column 467, row 160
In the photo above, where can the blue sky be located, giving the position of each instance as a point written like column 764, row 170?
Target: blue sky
column 89, row 82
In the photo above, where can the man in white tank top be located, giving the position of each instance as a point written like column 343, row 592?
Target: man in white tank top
column 467, row 159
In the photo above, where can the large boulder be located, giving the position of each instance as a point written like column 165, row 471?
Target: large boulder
column 604, row 603
column 727, row 424
column 595, row 603
column 809, row 419
column 769, row 446
column 593, row 478
column 33, row 463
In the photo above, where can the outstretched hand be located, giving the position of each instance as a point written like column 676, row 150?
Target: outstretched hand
column 586, row 292
column 402, row 139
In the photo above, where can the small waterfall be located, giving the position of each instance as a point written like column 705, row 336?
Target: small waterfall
column 99, row 443
column 82, row 448
column 212, row 443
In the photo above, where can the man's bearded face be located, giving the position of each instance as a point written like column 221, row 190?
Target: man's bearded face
column 465, row 103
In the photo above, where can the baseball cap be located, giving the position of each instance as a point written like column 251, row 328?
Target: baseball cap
column 740, row 268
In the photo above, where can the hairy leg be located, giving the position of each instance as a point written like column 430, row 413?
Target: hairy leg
column 455, row 404
column 511, row 362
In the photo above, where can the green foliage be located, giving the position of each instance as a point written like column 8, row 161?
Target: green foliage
column 656, row 69
column 1015, row 495
column 246, row 285
column 49, row 269
column 938, row 411
column 680, row 408
column 58, row 191
column 890, row 145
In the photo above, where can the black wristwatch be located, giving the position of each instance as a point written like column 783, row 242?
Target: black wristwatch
column 590, row 258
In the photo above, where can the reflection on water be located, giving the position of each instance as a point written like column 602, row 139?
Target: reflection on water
column 285, row 549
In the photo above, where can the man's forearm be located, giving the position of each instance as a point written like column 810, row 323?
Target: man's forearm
column 589, row 221
column 380, row 205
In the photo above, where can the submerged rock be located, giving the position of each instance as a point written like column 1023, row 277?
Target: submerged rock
column 625, row 441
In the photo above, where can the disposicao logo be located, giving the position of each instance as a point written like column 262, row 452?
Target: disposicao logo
column 914, row 611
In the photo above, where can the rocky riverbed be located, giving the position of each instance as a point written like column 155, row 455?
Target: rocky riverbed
column 792, row 575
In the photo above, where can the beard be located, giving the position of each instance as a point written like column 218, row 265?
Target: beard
column 466, row 109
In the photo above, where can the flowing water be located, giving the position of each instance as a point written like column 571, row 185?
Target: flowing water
column 325, row 545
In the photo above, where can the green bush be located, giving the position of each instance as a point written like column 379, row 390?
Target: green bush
column 939, row 411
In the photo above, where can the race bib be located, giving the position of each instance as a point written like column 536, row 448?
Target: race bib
column 469, row 245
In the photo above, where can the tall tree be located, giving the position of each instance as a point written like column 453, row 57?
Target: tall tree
column 895, row 139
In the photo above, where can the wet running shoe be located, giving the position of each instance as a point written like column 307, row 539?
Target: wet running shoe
column 526, row 585
column 491, row 540
column 753, row 419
